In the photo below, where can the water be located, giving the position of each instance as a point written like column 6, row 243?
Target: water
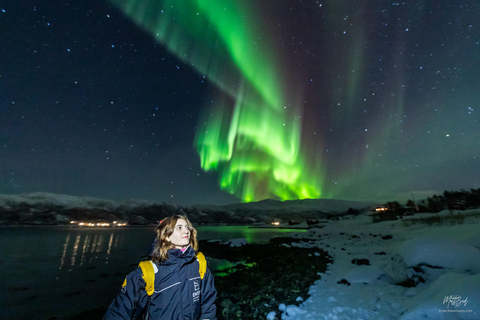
column 59, row 272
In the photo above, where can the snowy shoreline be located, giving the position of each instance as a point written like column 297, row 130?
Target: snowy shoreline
column 439, row 266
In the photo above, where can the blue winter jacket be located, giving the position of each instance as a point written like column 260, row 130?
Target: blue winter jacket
column 179, row 293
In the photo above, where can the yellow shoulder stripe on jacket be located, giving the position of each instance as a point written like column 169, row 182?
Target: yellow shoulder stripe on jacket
column 148, row 274
column 203, row 264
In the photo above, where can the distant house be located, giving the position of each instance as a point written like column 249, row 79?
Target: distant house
column 97, row 223
column 398, row 211
column 381, row 209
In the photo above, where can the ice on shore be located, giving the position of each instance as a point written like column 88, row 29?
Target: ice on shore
column 441, row 265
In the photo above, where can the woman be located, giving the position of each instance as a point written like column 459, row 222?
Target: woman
column 179, row 292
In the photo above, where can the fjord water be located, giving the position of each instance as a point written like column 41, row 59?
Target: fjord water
column 58, row 272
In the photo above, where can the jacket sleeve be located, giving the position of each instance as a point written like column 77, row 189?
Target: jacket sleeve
column 209, row 294
column 130, row 299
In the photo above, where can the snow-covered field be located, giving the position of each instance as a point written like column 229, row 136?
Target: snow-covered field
column 370, row 258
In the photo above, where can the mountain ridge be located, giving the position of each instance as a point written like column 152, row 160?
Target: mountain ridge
column 41, row 208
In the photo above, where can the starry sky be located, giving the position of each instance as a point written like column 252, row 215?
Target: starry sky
column 195, row 101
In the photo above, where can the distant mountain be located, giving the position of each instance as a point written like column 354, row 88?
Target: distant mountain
column 298, row 210
column 323, row 205
column 56, row 209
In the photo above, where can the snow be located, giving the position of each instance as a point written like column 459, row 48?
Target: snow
column 370, row 259
column 461, row 290
column 235, row 242
column 430, row 250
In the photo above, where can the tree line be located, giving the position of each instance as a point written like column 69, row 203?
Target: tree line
column 449, row 200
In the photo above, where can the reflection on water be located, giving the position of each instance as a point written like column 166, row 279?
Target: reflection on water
column 252, row 235
column 91, row 246
column 222, row 264
column 82, row 247
column 87, row 248
column 64, row 253
column 57, row 272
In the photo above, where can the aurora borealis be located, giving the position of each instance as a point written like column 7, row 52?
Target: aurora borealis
column 249, row 136
column 193, row 100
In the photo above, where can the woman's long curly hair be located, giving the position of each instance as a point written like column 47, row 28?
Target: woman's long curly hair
column 165, row 230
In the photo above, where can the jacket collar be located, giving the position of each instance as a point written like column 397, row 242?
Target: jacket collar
column 178, row 256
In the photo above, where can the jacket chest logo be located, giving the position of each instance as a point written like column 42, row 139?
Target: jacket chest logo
column 196, row 291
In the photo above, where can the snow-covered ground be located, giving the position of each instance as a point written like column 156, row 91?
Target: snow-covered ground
column 370, row 258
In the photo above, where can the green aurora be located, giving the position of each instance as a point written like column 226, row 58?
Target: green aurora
column 252, row 134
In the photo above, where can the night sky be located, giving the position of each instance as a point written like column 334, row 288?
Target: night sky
column 196, row 101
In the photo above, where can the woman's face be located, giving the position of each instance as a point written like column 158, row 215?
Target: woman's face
column 181, row 235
